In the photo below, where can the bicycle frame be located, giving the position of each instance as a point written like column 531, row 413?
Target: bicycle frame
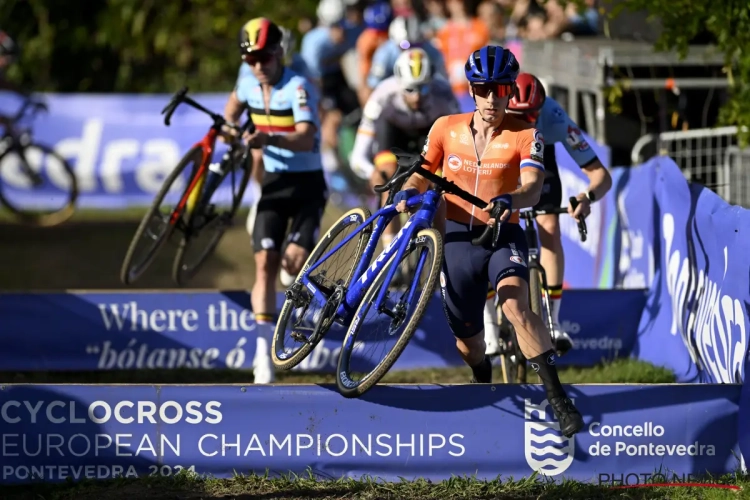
column 365, row 273
column 207, row 145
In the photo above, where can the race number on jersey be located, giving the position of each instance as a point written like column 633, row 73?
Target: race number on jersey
column 537, row 147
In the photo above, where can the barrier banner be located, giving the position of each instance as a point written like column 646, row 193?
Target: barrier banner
column 213, row 330
column 696, row 318
column 121, row 151
column 54, row 433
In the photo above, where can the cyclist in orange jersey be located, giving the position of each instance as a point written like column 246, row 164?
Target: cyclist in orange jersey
column 500, row 158
column 377, row 19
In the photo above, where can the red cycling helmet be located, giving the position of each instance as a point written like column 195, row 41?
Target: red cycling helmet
column 529, row 96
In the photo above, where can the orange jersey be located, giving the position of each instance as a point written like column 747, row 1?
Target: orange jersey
column 367, row 43
column 515, row 146
column 457, row 41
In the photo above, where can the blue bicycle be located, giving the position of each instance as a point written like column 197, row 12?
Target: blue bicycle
column 339, row 285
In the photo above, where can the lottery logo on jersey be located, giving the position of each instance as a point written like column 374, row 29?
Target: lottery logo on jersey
column 454, row 163
column 537, row 147
column 575, row 139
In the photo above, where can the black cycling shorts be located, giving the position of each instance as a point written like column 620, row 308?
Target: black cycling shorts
column 389, row 136
column 336, row 93
column 298, row 199
column 552, row 189
column 468, row 268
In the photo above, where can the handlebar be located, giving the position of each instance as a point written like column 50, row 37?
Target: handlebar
column 28, row 103
column 411, row 163
column 181, row 97
column 532, row 213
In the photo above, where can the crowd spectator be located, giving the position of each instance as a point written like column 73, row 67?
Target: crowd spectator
column 462, row 34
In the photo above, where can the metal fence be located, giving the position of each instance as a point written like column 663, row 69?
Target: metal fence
column 710, row 157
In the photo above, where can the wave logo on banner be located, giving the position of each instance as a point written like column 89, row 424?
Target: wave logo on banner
column 547, row 450
column 704, row 316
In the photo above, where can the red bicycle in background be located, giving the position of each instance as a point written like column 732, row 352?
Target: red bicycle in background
column 195, row 213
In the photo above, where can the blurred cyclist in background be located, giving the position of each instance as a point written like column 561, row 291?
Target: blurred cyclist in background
column 531, row 104
column 322, row 49
column 404, row 32
column 284, row 108
column 378, row 17
column 399, row 113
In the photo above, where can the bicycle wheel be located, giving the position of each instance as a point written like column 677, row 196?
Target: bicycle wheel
column 337, row 269
column 205, row 229
column 405, row 317
column 28, row 161
column 134, row 265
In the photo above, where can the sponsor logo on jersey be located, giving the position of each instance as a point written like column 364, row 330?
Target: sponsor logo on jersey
column 454, row 162
column 575, row 139
column 302, row 96
column 518, row 260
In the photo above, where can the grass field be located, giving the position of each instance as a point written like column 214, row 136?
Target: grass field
column 186, row 486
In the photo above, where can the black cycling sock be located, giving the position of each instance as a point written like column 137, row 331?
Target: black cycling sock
column 544, row 366
column 483, row 371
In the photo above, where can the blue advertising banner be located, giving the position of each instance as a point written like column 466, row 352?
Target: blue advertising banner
column 213, row 330
column 696, row 319
column 120, row 149
column 55, row 433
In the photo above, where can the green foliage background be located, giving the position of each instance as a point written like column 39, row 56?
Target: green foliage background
column 134, row 45
column 160, row 45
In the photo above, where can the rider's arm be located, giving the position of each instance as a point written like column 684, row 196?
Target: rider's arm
column 362, row 150
column 233, row 108
column 432, row 153
column 567, row 132
column 305, row 109
column 530, row 146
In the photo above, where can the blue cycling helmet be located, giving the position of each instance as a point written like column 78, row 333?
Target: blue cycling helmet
column 378, row 16
column 492, row 64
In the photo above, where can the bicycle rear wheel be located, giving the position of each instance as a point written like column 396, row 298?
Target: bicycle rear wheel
column 310, row 318
column 206, row 228
column 403, row 316
column 139, row 257
column 28, row 161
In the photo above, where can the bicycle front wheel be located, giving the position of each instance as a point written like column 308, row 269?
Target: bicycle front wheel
column 304, row 320
column 206, row 227
column 157, row 226
column 403, row 315
column 21, row 168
